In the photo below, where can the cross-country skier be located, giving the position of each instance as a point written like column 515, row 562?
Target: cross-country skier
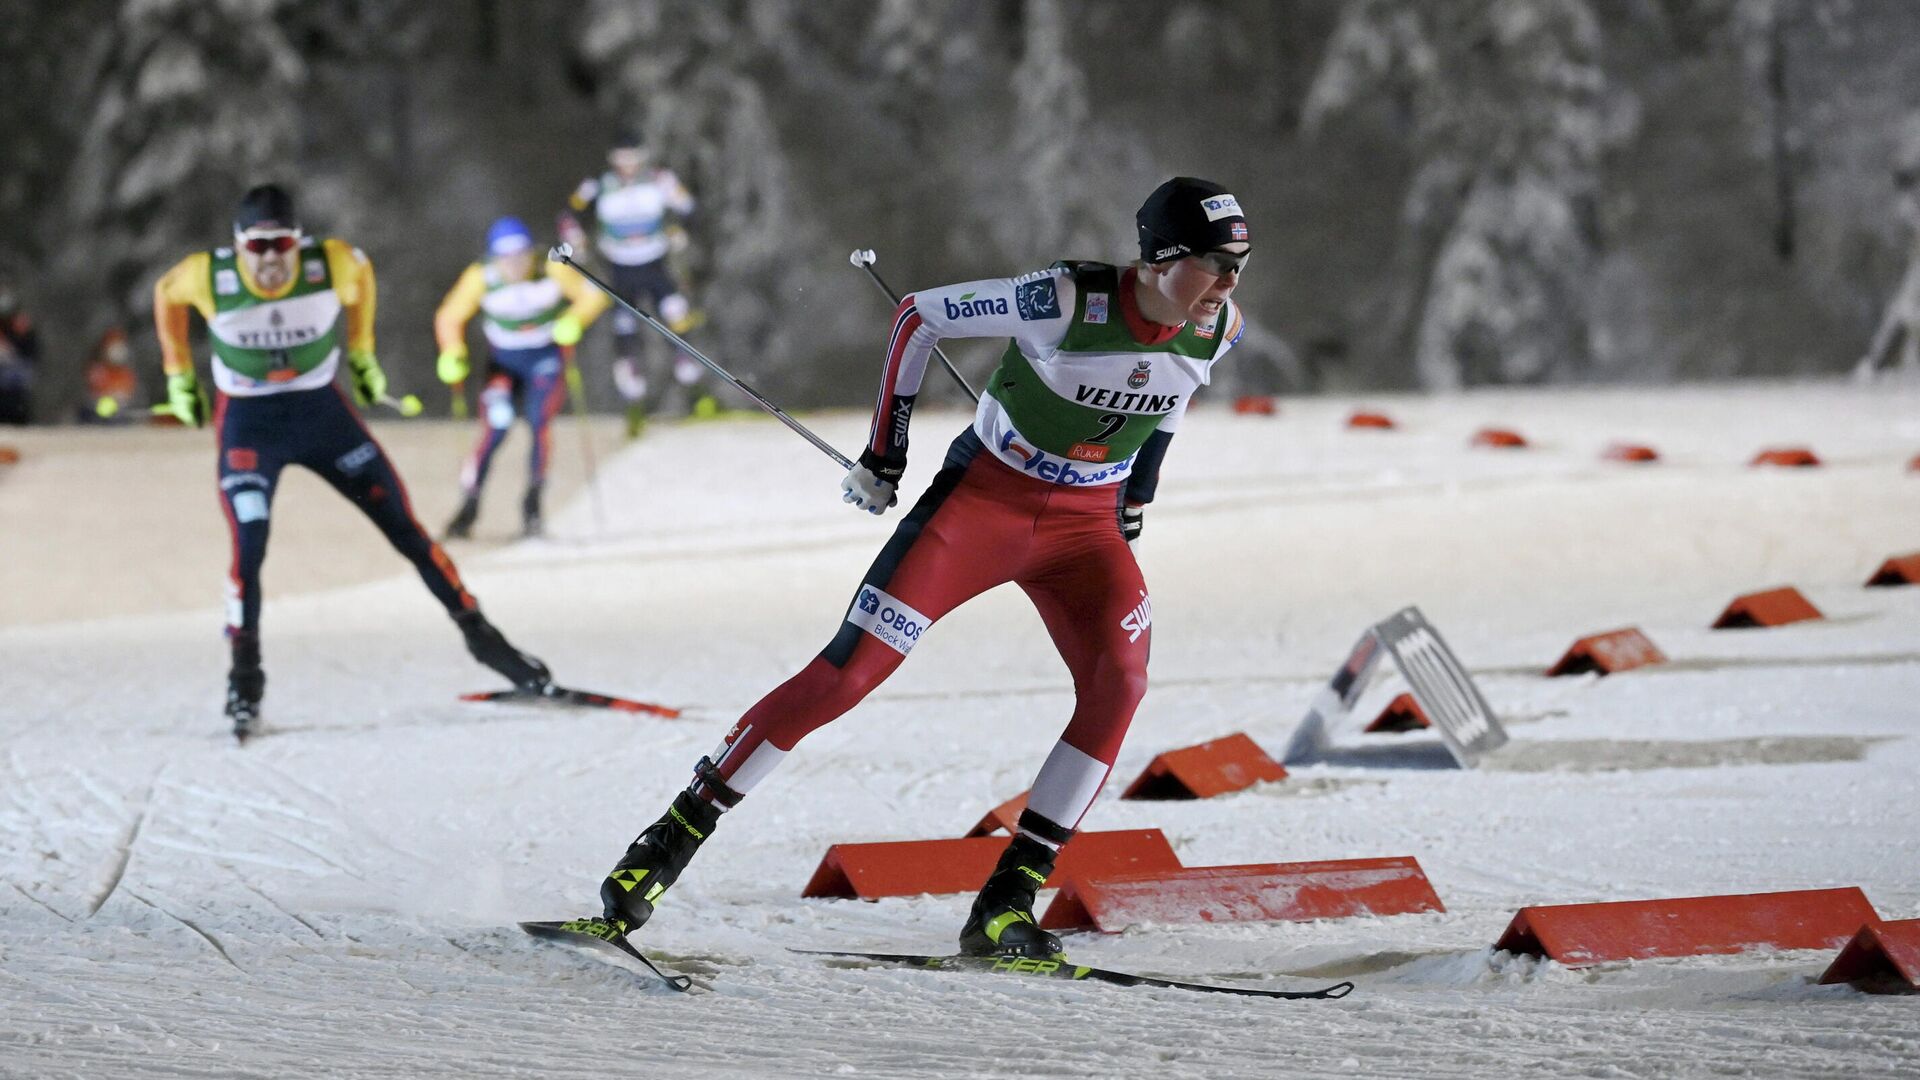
column 282, row 308
column 634, row 205
column 532, row 316
column 1044, row 490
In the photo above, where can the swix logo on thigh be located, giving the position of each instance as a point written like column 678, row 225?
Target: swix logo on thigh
column 886, row 618
column 1137, row 620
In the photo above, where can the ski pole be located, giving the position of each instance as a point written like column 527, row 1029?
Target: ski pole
column 563, row 253
column 864, row 258
column 578, row 385
column 458, row 405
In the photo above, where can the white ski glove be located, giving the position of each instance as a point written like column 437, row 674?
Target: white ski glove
column 871, row 485
column 1132, row 519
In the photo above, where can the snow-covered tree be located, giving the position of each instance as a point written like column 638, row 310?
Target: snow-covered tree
column 190, row 103
column 1506, row 107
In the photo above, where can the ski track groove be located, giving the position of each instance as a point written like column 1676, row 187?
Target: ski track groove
column 193, row 926
column 123, row 849
column 276, row 905
column 23, row 892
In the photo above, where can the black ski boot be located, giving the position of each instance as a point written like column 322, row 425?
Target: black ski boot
column 490, row 648
column 1001, row 922
column 461, row 527
column 531, row 525
column 654, row 861
column 246, row 684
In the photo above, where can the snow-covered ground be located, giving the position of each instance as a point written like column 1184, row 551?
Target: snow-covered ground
column 338, row 898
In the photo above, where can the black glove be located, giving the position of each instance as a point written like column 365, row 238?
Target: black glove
column 1132, row 518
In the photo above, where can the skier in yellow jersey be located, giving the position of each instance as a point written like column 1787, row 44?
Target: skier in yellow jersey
column 282, row 308
column 532, row 315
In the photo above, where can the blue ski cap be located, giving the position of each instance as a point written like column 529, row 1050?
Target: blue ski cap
column 508, row 236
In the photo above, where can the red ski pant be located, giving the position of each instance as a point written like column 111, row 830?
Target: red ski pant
column 979, row 525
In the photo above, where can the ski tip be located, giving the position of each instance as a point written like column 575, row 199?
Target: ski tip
column 1338, row 990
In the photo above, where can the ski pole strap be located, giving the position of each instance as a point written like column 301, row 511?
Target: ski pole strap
column 707, row 775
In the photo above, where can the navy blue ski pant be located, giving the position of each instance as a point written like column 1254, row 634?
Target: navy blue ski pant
column 318, row 429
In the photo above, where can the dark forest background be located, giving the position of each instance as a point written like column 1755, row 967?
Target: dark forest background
column 1442, row 193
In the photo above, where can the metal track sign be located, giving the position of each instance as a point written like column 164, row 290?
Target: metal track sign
column 1434, row 675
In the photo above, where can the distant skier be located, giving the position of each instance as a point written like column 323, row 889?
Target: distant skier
column 1897, row 339
column 281, row 308
column 1044, row 490
column 634, row 205
column 532, row 316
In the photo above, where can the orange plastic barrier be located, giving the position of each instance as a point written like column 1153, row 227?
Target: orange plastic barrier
column 1223, row 765
column 9, row 456
column 912, row 867
column 1374, row 420
column 1613, row 651
column 1579, row 934
column 1898, row 570
column 1003, row 818
column 1774, row 607
column 1401, row 714
column 1883, row 956
column 1256, row 405
column 1914, row 465
column 1792, row 457
column 1292, row 892
column 1633, row 452
column 1499, row 438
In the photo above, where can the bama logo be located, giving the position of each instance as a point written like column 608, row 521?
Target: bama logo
column 969, row 307
column 1055, row 471
column 1139, row 618
column 894, row 623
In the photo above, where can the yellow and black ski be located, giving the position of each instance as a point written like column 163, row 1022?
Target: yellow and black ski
column 601, row 935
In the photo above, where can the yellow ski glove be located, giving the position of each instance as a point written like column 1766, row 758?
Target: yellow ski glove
column 183, row 394
column 453, row 366
column 369, row 382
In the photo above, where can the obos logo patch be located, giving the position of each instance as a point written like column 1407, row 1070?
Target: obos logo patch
column 894, row 623
column 1221, row 206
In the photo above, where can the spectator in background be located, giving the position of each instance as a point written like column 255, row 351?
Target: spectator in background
column 113, row 388
column 19, row 353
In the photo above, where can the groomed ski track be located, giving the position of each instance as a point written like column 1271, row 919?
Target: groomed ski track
column 339, row 898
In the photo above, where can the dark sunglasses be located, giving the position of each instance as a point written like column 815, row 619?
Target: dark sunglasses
column 280, row 242
column 1222, row 263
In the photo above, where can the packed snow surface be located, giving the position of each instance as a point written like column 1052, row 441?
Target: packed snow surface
column 339, row 897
